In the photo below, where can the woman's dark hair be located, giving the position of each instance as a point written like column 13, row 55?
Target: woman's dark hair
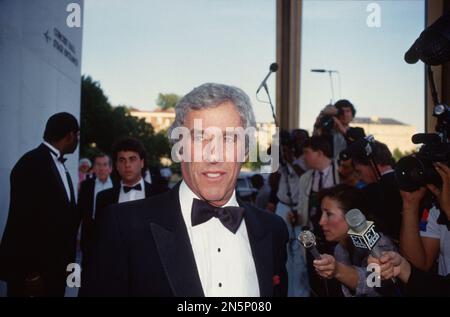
column 348, row 197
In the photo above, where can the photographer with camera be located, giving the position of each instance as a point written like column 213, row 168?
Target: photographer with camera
column 428, row 168
column 334, row 123
column 424, row 241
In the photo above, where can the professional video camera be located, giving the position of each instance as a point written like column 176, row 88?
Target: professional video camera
column 415, row 171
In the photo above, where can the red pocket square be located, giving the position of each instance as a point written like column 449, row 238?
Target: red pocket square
column 275, row 280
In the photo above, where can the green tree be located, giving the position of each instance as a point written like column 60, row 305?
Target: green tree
column 166, row 101
column 102, row 125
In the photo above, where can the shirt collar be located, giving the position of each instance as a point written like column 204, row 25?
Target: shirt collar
column 53, row 150
column 107, row 182
column 326, row 170
column 141, row 181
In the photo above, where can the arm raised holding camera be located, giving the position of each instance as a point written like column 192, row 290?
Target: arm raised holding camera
column 421, row 251
column 442, row 194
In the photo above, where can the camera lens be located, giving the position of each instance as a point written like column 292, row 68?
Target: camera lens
column 413, row 172
column 410, row 173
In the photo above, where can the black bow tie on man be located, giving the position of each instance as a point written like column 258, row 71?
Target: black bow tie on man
column 126, row 189
column 62, row 159
column 230, row 217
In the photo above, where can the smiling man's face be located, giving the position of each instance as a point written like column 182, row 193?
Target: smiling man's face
column 210, row 179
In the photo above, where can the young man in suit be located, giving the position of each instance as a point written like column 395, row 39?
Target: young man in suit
column 129, row 159
column 87, row 198
column 196, row 239
column 40, row 236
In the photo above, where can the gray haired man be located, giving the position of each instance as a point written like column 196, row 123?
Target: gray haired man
column 196, row 239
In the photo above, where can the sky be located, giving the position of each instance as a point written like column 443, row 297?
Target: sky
column 139, row 48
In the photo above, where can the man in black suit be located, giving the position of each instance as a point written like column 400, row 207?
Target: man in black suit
column 382, row 192
column 129, row 159
column 87, row 197
column 40, row 236
column 196, row 239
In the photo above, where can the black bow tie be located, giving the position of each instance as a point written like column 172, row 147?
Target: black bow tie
column 126, row 189
column 62, row 159
column 230, row 217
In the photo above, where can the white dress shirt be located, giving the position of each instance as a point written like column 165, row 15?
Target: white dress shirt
column 224, row 260
column 100, row 186
column 132, row 194
column 60, row 167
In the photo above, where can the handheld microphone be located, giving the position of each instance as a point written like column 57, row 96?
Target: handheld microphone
column 273, row 68
column 308, row 240
column 362, row 232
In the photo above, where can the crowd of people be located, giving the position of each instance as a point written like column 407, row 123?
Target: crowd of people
column 325, row 175
column 200, row 239
column 47, row 219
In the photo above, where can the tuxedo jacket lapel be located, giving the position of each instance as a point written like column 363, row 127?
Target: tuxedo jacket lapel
column 261, row 245
column 59, row 181
column 148, row 189
column 116, row 194
column 175, row 250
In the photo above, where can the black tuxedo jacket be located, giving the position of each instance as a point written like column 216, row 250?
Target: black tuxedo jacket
column 104, row 199
column 40, row 235
column 142, row 248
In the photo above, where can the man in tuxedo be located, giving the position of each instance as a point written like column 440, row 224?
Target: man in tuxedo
column 196, row 239
column 40, row 236
column 129, row 159
column 87, row 199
